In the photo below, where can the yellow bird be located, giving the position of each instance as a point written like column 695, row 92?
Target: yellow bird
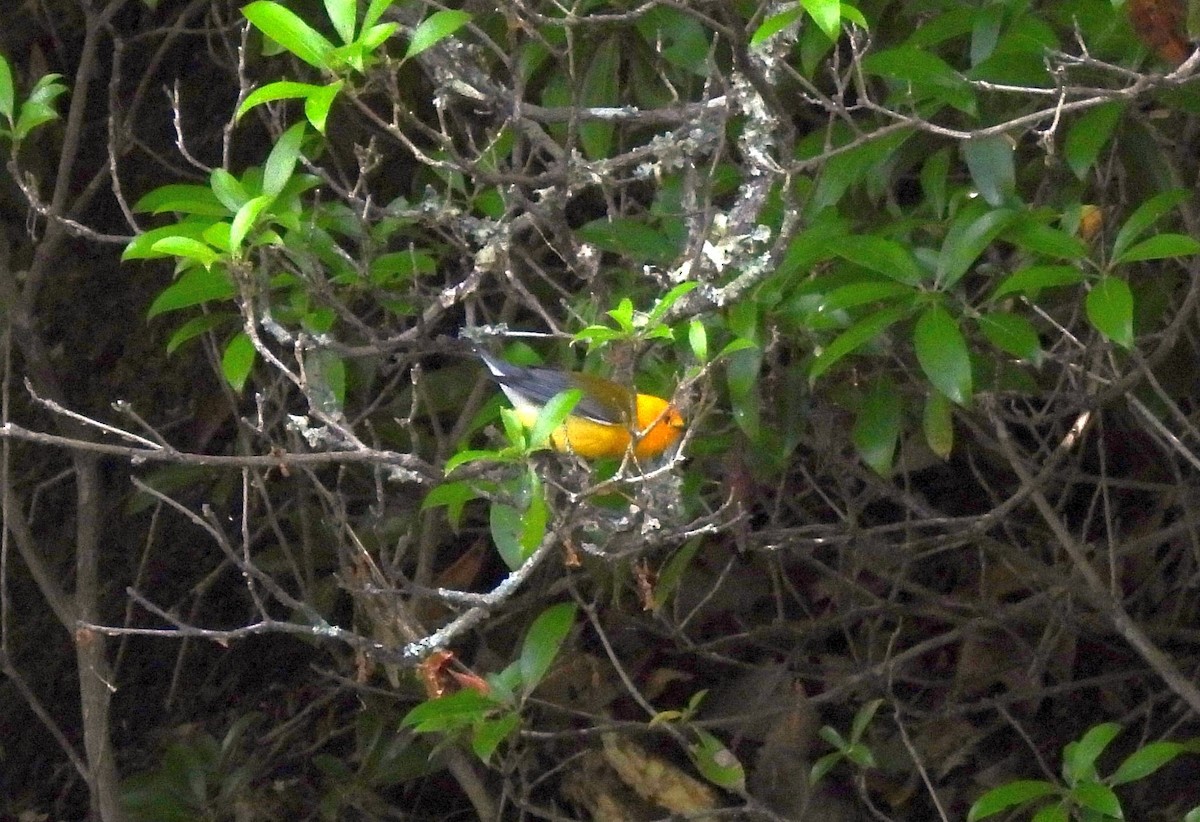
column 608, row 419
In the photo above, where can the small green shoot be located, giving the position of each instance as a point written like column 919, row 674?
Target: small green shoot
column 1083, row 794
column 853, row 750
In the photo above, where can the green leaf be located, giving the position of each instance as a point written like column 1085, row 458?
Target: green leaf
column 823, row 766
column 623, row 315
column 354, row 56
column 374, row 11
column 743, row 319
column 1048, row 241
column 197, row 326
column 740, row 344
column 217, row 235
column 434, row 29
column 596, row 334
column 1146, row 215
column 326, row 376
column 543, row 641
column 7, row 90
column 856, row 294
column 487, row 735
column 504, row 684
column 1053, row 813
column 141, row 247
column 318, row 103
column 1089, row 135
column 46, row 89
column 863, row 717
column 39, row 108
column 450, row 712
column 814, row 48
column 990, row 161
column 282, row 90
column 601, row 88
column 827, row 14
column 185, row 199
column 968, row 238
column 1143, row 762
column 464, row 457
column 860, row 755
column 282, row 161
column 849, row 168
column 943, row 355
column 1099, row 798
column 552, row 415
column 854, row 338
column 672, row 574
column 186, row 248
column 1079, row 758
column 1013, row 334
column 341, row 14
column 934, row 173
column 883, row 256
column 537, row 517
column 630, row 237
column 514, row 430
column 664, row 303
column 1110, row 309
column 518, row 532
column 289, row 31
column 834, row 737
column 453, row 495
column 1159, row 247
column 926, row 75
column 228, row 189
column 877, row 429
column 1008, row 796
column 244, row 220
column 938, row 424
column 716, row 763
column 1193, row 815
column 1018, row 56
column 741, row 374
column 237, row 360
column 32, row 115
column 375, row 36
column 679, row 38
column 318, row 320
column 986, row 32
column 855, row 16
column 507, row 525
column 774, row 24
column 698, row 340
column 1193, row 20
column 1033, row 279
column 399, row 266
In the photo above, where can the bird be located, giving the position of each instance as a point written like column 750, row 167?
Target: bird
column 608, row 420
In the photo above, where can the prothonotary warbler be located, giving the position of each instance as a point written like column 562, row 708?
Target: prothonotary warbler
column 607, row 420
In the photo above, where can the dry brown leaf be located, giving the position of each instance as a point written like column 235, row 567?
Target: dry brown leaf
column 1160, row 24
column 657, row 780
column 593, row 787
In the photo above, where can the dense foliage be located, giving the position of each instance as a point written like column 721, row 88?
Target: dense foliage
column 922, row 277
